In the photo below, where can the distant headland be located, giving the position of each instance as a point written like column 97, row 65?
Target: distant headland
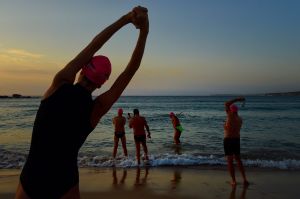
column 297, row 93
column 292, row 93
column 15, row 96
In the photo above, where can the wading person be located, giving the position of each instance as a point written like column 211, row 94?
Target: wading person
column 119, row 126
column 139, row 124
column 177, row 128
column 232, row 129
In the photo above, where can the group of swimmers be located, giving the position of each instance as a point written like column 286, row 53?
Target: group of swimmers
column 139, row 125
column 232, row 128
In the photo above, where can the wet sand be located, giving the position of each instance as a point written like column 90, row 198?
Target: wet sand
column 173, row 182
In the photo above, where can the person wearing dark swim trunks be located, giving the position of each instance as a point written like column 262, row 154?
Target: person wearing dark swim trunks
column 139, row 123
column 119, row 134
column 177, row 128
column 232, row 129
column 68, row 114
column 119, row 125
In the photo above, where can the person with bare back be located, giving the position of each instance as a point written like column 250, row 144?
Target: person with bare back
column 119, row 125
column 139, row 124
column 232, row 129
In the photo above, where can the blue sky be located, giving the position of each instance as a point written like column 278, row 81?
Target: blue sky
column 193, row 48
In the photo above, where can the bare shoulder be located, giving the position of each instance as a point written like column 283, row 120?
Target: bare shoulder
column 52, row 89
column 49, row 92
column 230, row 114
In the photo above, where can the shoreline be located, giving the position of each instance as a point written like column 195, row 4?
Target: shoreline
column 173, row 182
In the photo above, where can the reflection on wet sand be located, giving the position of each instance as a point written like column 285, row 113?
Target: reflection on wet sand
column 141, row 182
column 136, row 181
column 176, row 179
column 119, row 184
column 233, row 193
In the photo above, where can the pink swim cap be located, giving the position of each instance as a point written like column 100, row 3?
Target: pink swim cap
column 98, row 70
column 234, row 108
column 172, row 114
column 120, row 111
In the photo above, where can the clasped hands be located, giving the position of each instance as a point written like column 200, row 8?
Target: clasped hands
column 139, row 17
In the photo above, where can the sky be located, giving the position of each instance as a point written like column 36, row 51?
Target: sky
column 193, row 47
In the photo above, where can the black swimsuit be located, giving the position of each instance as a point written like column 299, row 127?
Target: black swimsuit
column 232, row 146
column 140, row 138
column 61, row 126
column 119, row 134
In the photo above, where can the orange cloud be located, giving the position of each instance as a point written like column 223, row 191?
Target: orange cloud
column 22, row 53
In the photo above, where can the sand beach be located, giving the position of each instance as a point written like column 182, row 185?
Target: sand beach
column 173, row 182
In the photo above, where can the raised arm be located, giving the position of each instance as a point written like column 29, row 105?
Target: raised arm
column 68, row 73
column 228, row 103
column 104, row 102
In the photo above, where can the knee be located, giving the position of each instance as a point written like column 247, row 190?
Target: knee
column 237, row 158
column 229, row 159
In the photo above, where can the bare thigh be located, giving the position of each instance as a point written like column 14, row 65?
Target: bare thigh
column 20, row 193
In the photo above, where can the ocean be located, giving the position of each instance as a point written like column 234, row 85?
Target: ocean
column 270, row 135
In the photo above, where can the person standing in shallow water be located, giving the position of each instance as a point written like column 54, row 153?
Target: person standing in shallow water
column 177, row 128
column 119, row 125
column 68, row 114
column 139, row 123
column 232, row 129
